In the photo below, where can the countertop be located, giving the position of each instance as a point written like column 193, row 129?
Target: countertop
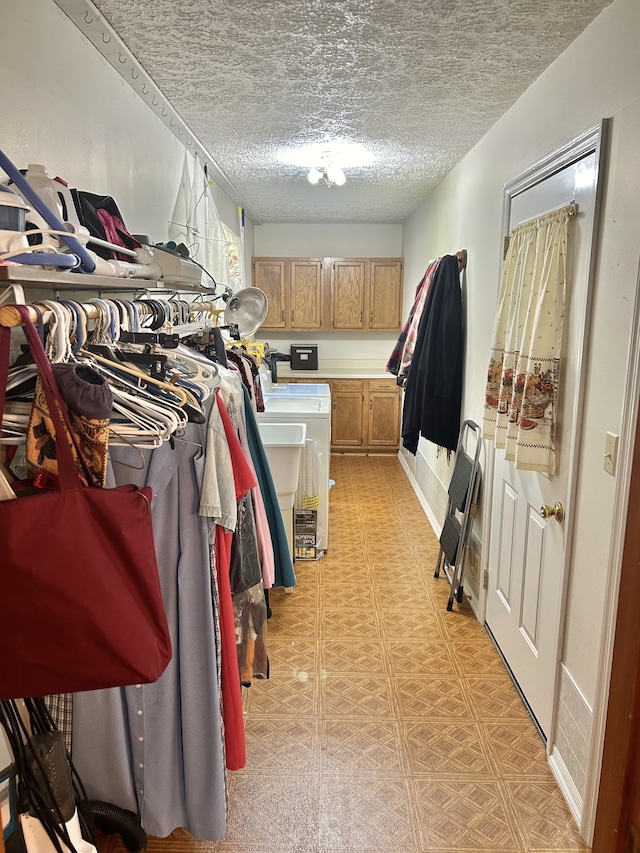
column 336, row 370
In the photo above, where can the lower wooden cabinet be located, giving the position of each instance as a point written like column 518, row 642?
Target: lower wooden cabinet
column 385, row 402
column 365, row 415
column 348, row 418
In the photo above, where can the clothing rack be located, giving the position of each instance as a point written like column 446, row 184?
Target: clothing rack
column 11, row 317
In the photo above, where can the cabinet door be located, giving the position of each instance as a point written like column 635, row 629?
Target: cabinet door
column 385, row 294
column 384, row 405
column 306, row 293
column 384, row 419
column 269, row 274
column 347, row 414
column 347, row 292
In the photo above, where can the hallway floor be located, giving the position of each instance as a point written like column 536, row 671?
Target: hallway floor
column 388, row 724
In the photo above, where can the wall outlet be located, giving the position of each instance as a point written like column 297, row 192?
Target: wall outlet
column 610, row 453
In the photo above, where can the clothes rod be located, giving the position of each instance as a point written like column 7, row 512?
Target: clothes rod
column 11, row 317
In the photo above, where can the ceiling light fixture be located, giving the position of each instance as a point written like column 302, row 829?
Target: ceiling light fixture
column 326, row 161
column 330, row 174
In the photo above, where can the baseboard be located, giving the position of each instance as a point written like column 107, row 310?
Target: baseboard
column 566, row 785
column 433, row 521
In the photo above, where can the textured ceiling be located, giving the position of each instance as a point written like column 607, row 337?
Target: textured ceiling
column 416, row 81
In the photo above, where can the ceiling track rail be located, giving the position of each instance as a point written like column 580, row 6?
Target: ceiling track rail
column 95, row 27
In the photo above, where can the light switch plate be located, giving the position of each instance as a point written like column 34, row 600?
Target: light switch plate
column 611, row 453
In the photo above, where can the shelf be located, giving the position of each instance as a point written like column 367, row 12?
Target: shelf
column 32, row 277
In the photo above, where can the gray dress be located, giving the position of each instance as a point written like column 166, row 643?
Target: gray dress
column 157, row 748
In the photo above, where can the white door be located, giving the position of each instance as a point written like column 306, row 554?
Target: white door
column 528, row 554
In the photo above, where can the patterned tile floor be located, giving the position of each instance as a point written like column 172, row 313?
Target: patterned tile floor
column 388, row 724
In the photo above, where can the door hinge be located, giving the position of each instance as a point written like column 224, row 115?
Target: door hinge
column 485, row 579
column 505, row 248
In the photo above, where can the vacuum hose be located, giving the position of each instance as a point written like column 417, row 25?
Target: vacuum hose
column 111, row 819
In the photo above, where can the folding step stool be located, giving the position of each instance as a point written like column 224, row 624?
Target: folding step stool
column 464, row 490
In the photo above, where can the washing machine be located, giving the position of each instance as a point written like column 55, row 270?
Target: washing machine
column 312, row 407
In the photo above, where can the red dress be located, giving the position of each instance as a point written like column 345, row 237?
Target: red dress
column 244, row 480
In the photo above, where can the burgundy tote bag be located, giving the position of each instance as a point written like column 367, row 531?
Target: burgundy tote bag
column 80, row 600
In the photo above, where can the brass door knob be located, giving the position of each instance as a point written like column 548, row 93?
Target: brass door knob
column 556, row 511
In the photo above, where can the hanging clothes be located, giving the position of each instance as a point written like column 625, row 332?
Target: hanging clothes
column 521, row 395
column 161, row 749
column 248, row 367
column 250, row 615
column 400, row 360
column 157, row 749
column 227, row 479
column 284, row 572
column 433, row 393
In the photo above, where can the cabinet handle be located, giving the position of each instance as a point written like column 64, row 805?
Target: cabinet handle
column 334, row 405
column 292, row 316
column 370, row 405
column 371, row 318
column 361, row 316
column 282, row 315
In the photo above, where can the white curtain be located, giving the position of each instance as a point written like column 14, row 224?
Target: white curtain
column 180, row 225
column 195, row 221
column 521, row 396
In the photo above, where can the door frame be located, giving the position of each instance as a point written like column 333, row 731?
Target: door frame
column 624, row 505
column 593, row 140
column 620, row 774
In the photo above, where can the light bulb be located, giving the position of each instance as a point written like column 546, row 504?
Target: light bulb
column 335, row 175
column 314, row 176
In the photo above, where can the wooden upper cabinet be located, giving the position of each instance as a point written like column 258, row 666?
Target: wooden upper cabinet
column 320, row 294
column 305, row 277
column 270, row 275
column 385, row 294
column 348, row 284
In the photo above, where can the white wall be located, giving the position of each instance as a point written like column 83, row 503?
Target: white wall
column 63, row 105
column 597, row 76
column 328, row 241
